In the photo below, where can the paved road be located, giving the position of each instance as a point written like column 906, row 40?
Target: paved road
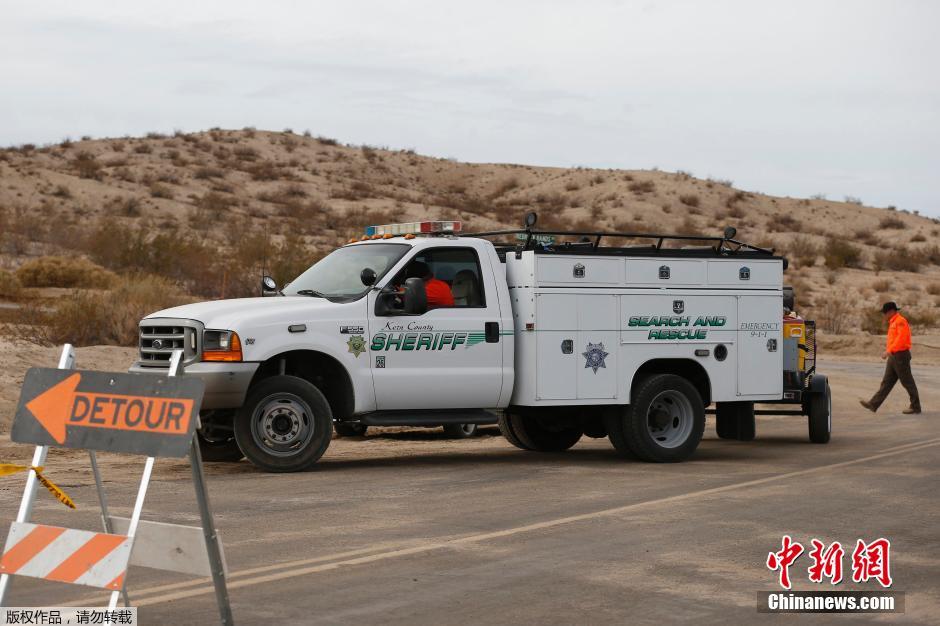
column 481, row 532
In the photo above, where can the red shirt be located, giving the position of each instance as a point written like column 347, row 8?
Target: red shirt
column 899, row 334
column 439, row 293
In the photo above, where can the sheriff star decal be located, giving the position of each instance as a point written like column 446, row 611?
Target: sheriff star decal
column 357, row 345
column 594, row 356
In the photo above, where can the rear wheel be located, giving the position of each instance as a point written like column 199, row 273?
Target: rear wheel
column 216, row 437
column 665, row 422
column 735, row 420
column 544, row 435
column 505, row 427
column 820, row 415
column 285, row 425
column 350, row 429
column 460, row 431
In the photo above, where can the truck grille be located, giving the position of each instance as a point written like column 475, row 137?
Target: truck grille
column 159, row 338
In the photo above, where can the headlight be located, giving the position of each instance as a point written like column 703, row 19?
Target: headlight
column 221, row 345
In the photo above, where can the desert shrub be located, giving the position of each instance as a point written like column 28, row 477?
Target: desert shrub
column 803, row 250
column 86, row 165
column 55, row 271
column 853, row 200
column 897, row 259
column 158, row 190
column 9, row 285
column 840, row 253
column 882, row 286
column 62, row 191
column 327, row 141
column 207, row 172
column 246, row 153
column 835, row 313
column 933, row 289
column 891, row 222
column 782, row 222
column 264, row 170
column 642, row 186
column 918, row 237
column 86, row 319
column 143, row 148
column 691, row 200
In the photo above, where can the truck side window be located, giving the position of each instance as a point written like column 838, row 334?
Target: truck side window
column 459, row 268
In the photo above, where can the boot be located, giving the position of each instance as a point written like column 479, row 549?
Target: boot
column 868, row 405
column 911, row 411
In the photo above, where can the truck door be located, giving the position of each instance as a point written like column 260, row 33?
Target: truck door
column 450, row 357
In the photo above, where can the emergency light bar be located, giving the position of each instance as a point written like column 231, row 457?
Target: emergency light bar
column 414, row 228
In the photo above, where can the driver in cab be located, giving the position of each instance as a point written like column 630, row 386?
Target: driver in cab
column 439, row 293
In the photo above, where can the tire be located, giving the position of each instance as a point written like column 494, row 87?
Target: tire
column 460, row 431
column 217, row 439
column 505, row 427
column 820, row 415
column 735, row 420
column 285, row 425
column 350, row 429
column 665, row 423
column 536, row 435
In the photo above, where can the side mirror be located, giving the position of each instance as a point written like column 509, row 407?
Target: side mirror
column 268, row 286
column 367, row 276
column 530, row 219
column 730, row 232
column 416, row 297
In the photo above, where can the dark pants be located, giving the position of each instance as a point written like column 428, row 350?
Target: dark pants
column 897, row 368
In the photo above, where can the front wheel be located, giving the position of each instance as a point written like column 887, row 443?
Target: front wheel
column 285, row 424
column 460, row 431
column 664, row 424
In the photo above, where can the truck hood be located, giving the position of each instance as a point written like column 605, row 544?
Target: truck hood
column 236, row 313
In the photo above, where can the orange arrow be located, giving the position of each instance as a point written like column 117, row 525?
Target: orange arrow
column 62, row 405
column 52, row 406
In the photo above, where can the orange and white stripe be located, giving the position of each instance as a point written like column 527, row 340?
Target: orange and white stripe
column 66, row 555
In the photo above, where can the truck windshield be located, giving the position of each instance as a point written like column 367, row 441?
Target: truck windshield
column 337, row 274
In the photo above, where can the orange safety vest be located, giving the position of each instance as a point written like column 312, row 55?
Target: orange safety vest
column 439, row 293
column 899, row 334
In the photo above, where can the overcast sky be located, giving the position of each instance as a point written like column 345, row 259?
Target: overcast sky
column 789, row 98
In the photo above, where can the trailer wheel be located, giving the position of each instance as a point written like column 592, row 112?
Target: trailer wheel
column 735, row 420
column 541, row 436
column 666, row 421
column 216, row 437
column 350, row 429
column 505, row 427
column 285, row 425
column 460, row 431
column 820, row 415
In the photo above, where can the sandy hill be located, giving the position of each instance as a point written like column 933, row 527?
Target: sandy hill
column 203, row 210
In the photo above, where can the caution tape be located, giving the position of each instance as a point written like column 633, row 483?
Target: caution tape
column 9, row 468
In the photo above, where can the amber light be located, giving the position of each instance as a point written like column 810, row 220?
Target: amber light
column 234, row 352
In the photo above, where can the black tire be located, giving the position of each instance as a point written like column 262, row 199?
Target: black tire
column 505, row 427
column 614, row 421
column 285, row 425
column 735, row 420
column 460, row 431
column 820, row 415
column 543, row 436
column 666, row 421
column 350, row 429
column 216, row 437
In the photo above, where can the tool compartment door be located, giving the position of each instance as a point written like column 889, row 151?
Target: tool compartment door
column 760, row 345
column 556, row 347
column 598, row 346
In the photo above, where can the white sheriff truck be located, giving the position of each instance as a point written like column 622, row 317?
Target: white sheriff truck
column 416, row 324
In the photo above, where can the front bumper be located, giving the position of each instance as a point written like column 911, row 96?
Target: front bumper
column 226, row 383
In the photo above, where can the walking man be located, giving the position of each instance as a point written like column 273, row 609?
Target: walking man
column 898, row 356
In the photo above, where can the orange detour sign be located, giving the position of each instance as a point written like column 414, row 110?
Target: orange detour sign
column 135, row 413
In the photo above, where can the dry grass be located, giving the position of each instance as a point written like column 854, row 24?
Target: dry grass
column 52, row 271
column 9, row 285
